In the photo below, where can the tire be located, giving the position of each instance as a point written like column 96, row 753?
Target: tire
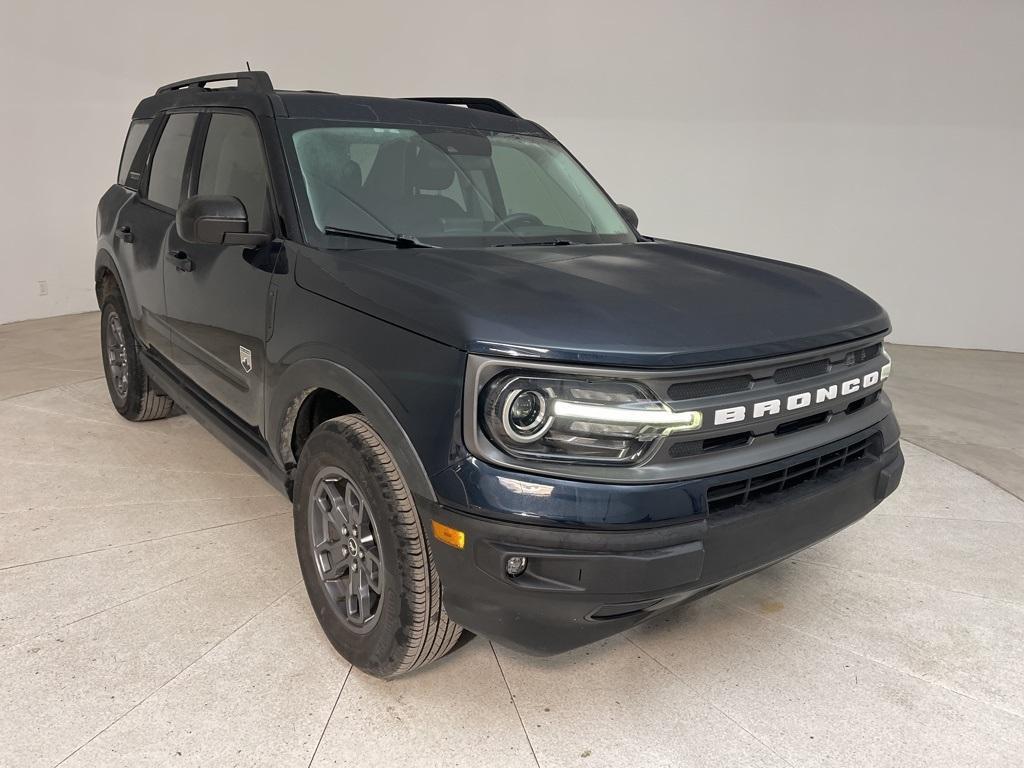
column 135, row 396
column 346, row 477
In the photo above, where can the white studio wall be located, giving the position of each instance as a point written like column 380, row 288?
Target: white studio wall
column 882, row 142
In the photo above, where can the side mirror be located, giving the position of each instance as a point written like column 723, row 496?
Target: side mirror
column 216, row 220
column 629, row 215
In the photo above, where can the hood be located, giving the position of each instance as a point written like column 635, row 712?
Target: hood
column 652, row 304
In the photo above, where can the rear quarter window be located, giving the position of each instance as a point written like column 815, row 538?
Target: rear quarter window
column 136, row 133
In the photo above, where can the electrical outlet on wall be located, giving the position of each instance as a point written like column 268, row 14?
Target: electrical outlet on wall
column 44, row 287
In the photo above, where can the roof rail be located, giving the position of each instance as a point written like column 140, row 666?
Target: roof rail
column 471, row 102
column 257, row 81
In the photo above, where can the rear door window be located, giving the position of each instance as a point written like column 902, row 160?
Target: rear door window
column 168, row 169
column 233, row 164
column 136, row 133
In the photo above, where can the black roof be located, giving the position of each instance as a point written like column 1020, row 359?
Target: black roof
column 255, row 92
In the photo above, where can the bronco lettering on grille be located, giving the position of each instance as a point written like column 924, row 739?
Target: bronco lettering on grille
column 795, row 402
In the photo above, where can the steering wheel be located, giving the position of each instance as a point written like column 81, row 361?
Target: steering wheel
column 516, row 218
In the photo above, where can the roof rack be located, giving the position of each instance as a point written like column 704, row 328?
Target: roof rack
column 257, row 81
column 470, row 102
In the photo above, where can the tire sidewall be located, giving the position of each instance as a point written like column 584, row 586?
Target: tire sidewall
column 377, row 651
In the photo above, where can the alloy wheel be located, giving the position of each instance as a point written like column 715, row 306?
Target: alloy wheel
column 346, row 548
column 117, row 355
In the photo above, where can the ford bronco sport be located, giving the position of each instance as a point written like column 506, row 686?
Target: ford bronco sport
column 494, row 404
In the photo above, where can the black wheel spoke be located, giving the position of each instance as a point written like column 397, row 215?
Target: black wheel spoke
column 354, row 506
column 352, row 598
column 372, row 556
column 371, row 569
column 335, row 506
column 333, row 559
column 330, row 489
column 364, row 595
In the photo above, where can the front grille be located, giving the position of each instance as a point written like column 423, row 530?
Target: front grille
column 693, row 447
column 727, row 385
column 821, row 367
column 686, row 390
column 767, row 381
column 863, row 402
column 796, row 425
column 862, row 355
column 802, row 371
column 760, row 487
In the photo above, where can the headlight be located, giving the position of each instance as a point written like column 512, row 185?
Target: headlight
column 568, row 418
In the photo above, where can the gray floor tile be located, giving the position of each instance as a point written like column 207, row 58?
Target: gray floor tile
column 258, row 698
column 979, row 558
column 52, row 532
column 611, row 703
column 972, row 645
column 62, row 689
column 820, row 705
column 46, row 595
column 933, row 487
column 454, row 713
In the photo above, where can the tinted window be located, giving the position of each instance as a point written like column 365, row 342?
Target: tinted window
column 461, row 187
column 233, row 165
column 526, row 186
column 131, row 148
column 169, row 160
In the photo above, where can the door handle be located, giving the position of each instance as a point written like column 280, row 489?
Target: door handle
column 182, row 262
column 125, row 233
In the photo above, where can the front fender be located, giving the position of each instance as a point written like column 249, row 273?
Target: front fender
column 301, row 378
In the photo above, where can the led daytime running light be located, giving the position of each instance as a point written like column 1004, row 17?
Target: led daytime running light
column 671, row 420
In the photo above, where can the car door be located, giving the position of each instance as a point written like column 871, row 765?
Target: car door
column 217, row 294
column 143, row 225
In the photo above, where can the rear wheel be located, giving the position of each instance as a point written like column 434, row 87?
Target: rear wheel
column 132, row 392
column 364, row 556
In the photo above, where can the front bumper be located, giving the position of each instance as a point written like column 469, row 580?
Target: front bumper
column 584, row 584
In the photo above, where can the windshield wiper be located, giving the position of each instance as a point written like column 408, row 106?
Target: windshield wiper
column 399, row 241
column 542, row 242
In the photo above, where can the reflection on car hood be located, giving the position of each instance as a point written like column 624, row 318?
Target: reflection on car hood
column 645, row 304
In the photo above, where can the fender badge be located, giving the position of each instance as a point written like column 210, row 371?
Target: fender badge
column 245, row 358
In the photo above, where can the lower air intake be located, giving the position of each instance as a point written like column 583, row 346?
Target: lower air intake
column 758, row 487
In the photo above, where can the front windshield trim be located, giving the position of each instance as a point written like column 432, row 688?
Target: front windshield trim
column 585, row 199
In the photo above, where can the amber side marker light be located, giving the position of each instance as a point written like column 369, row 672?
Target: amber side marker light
column 449, row 535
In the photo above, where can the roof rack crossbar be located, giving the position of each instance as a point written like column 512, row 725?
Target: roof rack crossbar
column 471, row 102
column 257, row 81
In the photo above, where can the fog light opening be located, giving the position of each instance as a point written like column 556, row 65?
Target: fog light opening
column 515, row 566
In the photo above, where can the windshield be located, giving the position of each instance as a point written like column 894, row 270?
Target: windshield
column 448, row 187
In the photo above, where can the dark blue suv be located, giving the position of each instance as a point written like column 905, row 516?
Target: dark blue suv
column 495, row 405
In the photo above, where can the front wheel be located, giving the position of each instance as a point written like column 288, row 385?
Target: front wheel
column 364, row 556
